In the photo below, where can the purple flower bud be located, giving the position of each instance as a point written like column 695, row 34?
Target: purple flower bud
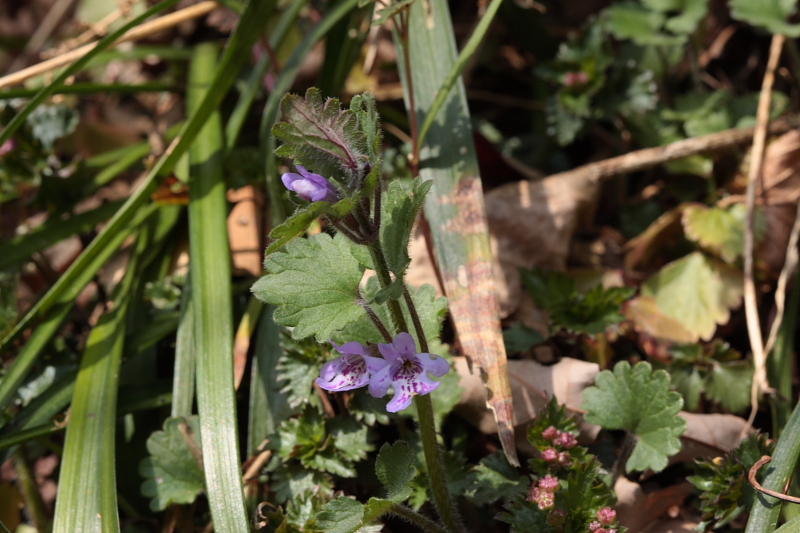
column 550, row 433
column 406, row 372
column 309, row 186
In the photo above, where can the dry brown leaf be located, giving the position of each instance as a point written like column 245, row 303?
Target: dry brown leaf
column 631, row 504
column 244, row 231
column 532, row 385
column 708, row 435
column 665, row 229
column 532, row 223
column 779, row 195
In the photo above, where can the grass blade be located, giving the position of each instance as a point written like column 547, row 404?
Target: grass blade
column 87, row 483
column 236, row 53
column 455, row 209
column 211, row 292
column 183, row 378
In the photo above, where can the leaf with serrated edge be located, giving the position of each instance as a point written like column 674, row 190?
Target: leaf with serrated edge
column 341, row 515
column 638, row 400
column 696, row 291
column 400, row 208
column 395, row 468
column 171, row 472
column 721, row 231
column 494, row 478
column 314, row 285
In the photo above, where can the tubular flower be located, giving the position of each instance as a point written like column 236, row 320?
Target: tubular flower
column 310, row 186
column 350, row 370
column 406, row 372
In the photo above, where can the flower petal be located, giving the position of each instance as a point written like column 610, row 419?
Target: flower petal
column 351, row 347
column 423, row 384
column 380, row 381
column 390, row 353
column 401, row 400
column 289, row 178
column 343, row 373
column 435, row 364
column 405, row 345
column 375, row 364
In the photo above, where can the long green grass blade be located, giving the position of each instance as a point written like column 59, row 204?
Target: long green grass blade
column 254, row 83
column 183, row 378
column 233, row 58
column 52, row 231
column 779, row 363
column 282, row 85
column 455, row 209
column 455, row 73
column 102, row 45
column 766, row 510
column 268, row 405
column 211, row 292
column 44, row 332
column 343, row 48
column 87, row 498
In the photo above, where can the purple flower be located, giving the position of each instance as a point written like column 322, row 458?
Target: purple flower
column 350, row 370
column 310, row 186
column 406, row 372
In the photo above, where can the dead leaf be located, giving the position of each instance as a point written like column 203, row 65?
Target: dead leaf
column 532, row 385
column 671, row 497
column 244, row 231
column 631, row 504
column 532, row 223
column 665, row 230
column 708, row 435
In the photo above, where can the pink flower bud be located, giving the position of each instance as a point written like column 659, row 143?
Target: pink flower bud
column 564, row 459
column 595, row 526
column 567, row 440
column 606, row 516
column 550, row 433
column 546, row 501
column 575, row 78
column 535, row 493
column 549, row 483
column 550, row 455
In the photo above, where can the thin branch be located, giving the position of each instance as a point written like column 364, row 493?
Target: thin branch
column 751, row 477
column 760, row 382
column 145, row 30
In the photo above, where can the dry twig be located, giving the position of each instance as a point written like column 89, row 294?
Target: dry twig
column 760, row 382
column 145, row 30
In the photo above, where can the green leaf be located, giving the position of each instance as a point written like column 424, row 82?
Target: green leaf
column 290, row 482
column 768, row 14
column 314, row 284
column 729, row 384
column 171, row 472
column 688, row 381
column 400, row 207
column 396, row 467
column 524, row 516
column 298, row 368
column 720, row 231
column 696, row 291
column 382, row 16
column 366, row 109
column 690, row 14
column 300, row 437
column 549, row 288
column 367, row 409
column 633, row 21
column 494, row 479
column 638, row 400
column 341, row 515
column 350, row 437
column 519, row 338
column 50, row 123
column 321, row 136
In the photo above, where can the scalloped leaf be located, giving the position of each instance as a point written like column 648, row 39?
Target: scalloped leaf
column 638, row 400
column 314, row 285
column 396, row 467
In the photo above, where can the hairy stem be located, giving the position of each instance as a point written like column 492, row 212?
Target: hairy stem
column 376, row 320
column 385, row 279
column 416, row 518
column 412, row 310
column 433, row 460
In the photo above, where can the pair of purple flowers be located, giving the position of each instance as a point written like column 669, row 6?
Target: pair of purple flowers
column 401, row 368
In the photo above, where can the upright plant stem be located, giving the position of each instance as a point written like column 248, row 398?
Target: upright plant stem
column 427, row 426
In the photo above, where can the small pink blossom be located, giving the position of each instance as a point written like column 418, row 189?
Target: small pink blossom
column 575, row 78
column 550, row 433
column 549, row 483
column 546, row 501
column 567, row 440
column 7, row 147
column 595, row 526
column 550, row 455
column 606, row 516
column 564, row 459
